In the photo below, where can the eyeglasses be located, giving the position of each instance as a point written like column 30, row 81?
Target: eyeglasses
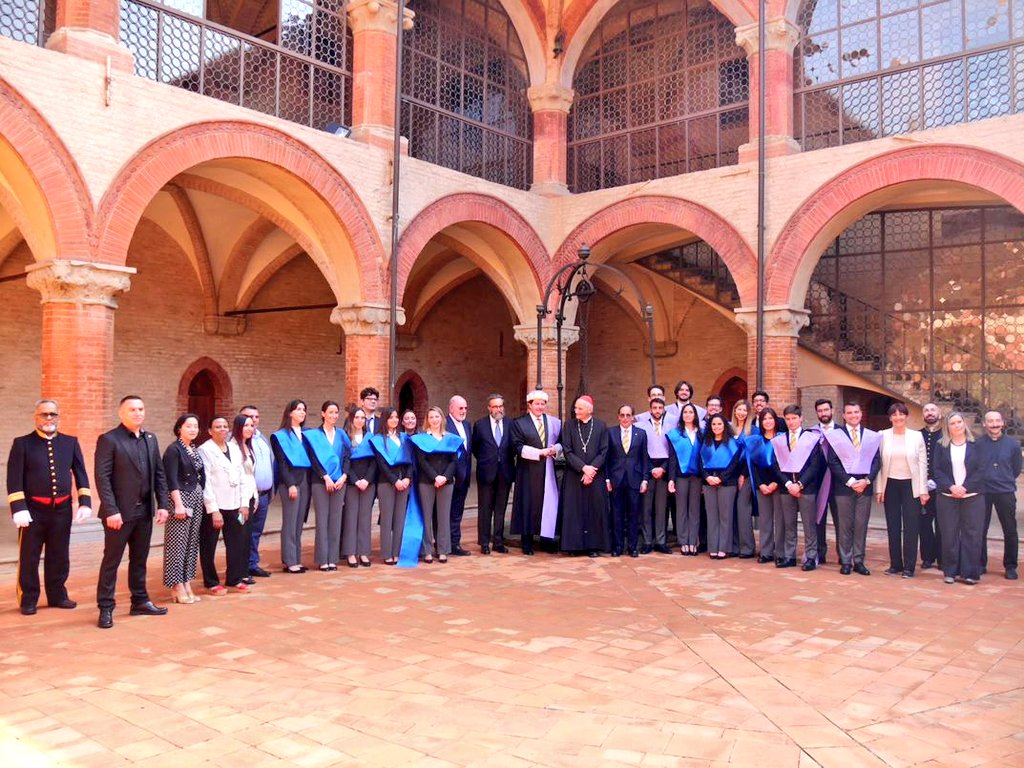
column 49, row 415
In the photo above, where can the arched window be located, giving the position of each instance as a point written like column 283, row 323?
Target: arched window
column 870, row 68
column 464, row 81
column 661, row 89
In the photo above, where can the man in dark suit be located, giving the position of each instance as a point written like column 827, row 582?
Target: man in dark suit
column 132, row 488
column 495, row 472
column 627, row 471
column 458, row 425
column 39, row 474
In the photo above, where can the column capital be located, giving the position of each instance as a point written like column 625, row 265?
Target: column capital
column 780, row 35
column 527, row 334
column 376, row 16
column 367, row 319
column 79, row 282
column 779, row 320
column 550, row 97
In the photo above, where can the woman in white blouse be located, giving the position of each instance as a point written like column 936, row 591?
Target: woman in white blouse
column 902, row 486
column 959, row 469
column 225, row 510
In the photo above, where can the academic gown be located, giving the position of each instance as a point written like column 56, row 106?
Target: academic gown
column 527, row 501
column 584, row 507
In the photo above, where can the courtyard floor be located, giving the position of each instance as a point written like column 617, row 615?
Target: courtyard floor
column 513, row 661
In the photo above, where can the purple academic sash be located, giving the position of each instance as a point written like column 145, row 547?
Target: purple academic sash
column 794, row 461
column 826, row 480
column 856, row 461
column 549, row 514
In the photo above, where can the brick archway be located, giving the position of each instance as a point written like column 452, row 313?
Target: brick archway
column 224, row 392
column 464, row 208
column 672, row 212
column 51, row 206
column 164, row 158
column 416, row 384
column 828, row 210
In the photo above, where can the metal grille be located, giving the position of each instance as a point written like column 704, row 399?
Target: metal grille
column 870, row 68
column 27, row 21
column 661, row 90
column 929, row 303
column 698, row 267
column 307, row 79
column 464, row 81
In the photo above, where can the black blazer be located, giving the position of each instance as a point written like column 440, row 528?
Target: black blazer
column 119, row 478
column 493, row 461
column 430, row 465
column 285, row 473
column 627, row 469
column 975, row 464
column 464, row 461
column 180, row 471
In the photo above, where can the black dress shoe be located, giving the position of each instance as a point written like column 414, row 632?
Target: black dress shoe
column 809, row 565
column 594, row 553
column 1011, row 573
column 662, row 549
column 485, row 549
column 106, row 620
column 147, row 609
column 925, row 565
column 845, row 570
column 528, row 551
column 501, row 548
column 762, row 559
column 634, row 553
column 893, row 571
column 250, row 580
column 257, row 571
column 615, row 553
column 28, row 610
column 861, row 569
column 67, row 604
column 908, row 574
column 460, row 552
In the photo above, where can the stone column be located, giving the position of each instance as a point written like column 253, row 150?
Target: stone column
column 550, row 104
column 527, row 335
column 90, row 29
column 78, row 299
column 367, row 331
column 374, row 41
column 781, row 37
column 782, row 326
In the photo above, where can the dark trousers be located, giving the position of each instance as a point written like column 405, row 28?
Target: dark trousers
column 50, row 529
column 963, row 536
column 492, row 498
column 626, row 507
column 1006, row 510
column 134, row 535
column 459, row 493
column 257, row 521
column 931, row 538
column 236, row 549
column 823, row 527
column 652, row 524
column 902, row 523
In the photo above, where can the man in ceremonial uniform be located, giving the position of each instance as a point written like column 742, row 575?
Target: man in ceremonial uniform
column 854, row 461
column 584, row 492
column 40, row 470
column 132, row 487
column 799, row 460
column 931, row 538
column 627, row 471
column 535, row 445
column 655, row 501
column 495, row 472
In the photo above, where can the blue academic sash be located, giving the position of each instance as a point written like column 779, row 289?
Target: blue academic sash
column 449, row 443
column 718, row 457
column 362, row 451
column 760, row 451
column 331, row 457
column 293, row 448
column 686, row 452
column 389, row 452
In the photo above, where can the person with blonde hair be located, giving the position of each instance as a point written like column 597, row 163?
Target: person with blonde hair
column 960, row 507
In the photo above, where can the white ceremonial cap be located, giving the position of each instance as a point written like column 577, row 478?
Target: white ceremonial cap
column 537, row 394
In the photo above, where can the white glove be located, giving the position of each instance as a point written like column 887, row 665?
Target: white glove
column 82, row 513
column 931, row 486
column 22, row 518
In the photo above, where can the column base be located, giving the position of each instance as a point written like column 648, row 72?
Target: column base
column 93, row 46
column 775, row 146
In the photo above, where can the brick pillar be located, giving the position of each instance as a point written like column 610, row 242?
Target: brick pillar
column 781, row 37
column 374, row 48
column 527, row 335
column 366, row 328
column 550, row 104
column 90, row 29
column 78, row 301
column 782, row 326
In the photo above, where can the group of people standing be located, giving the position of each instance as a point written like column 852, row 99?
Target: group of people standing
column 618, row 490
